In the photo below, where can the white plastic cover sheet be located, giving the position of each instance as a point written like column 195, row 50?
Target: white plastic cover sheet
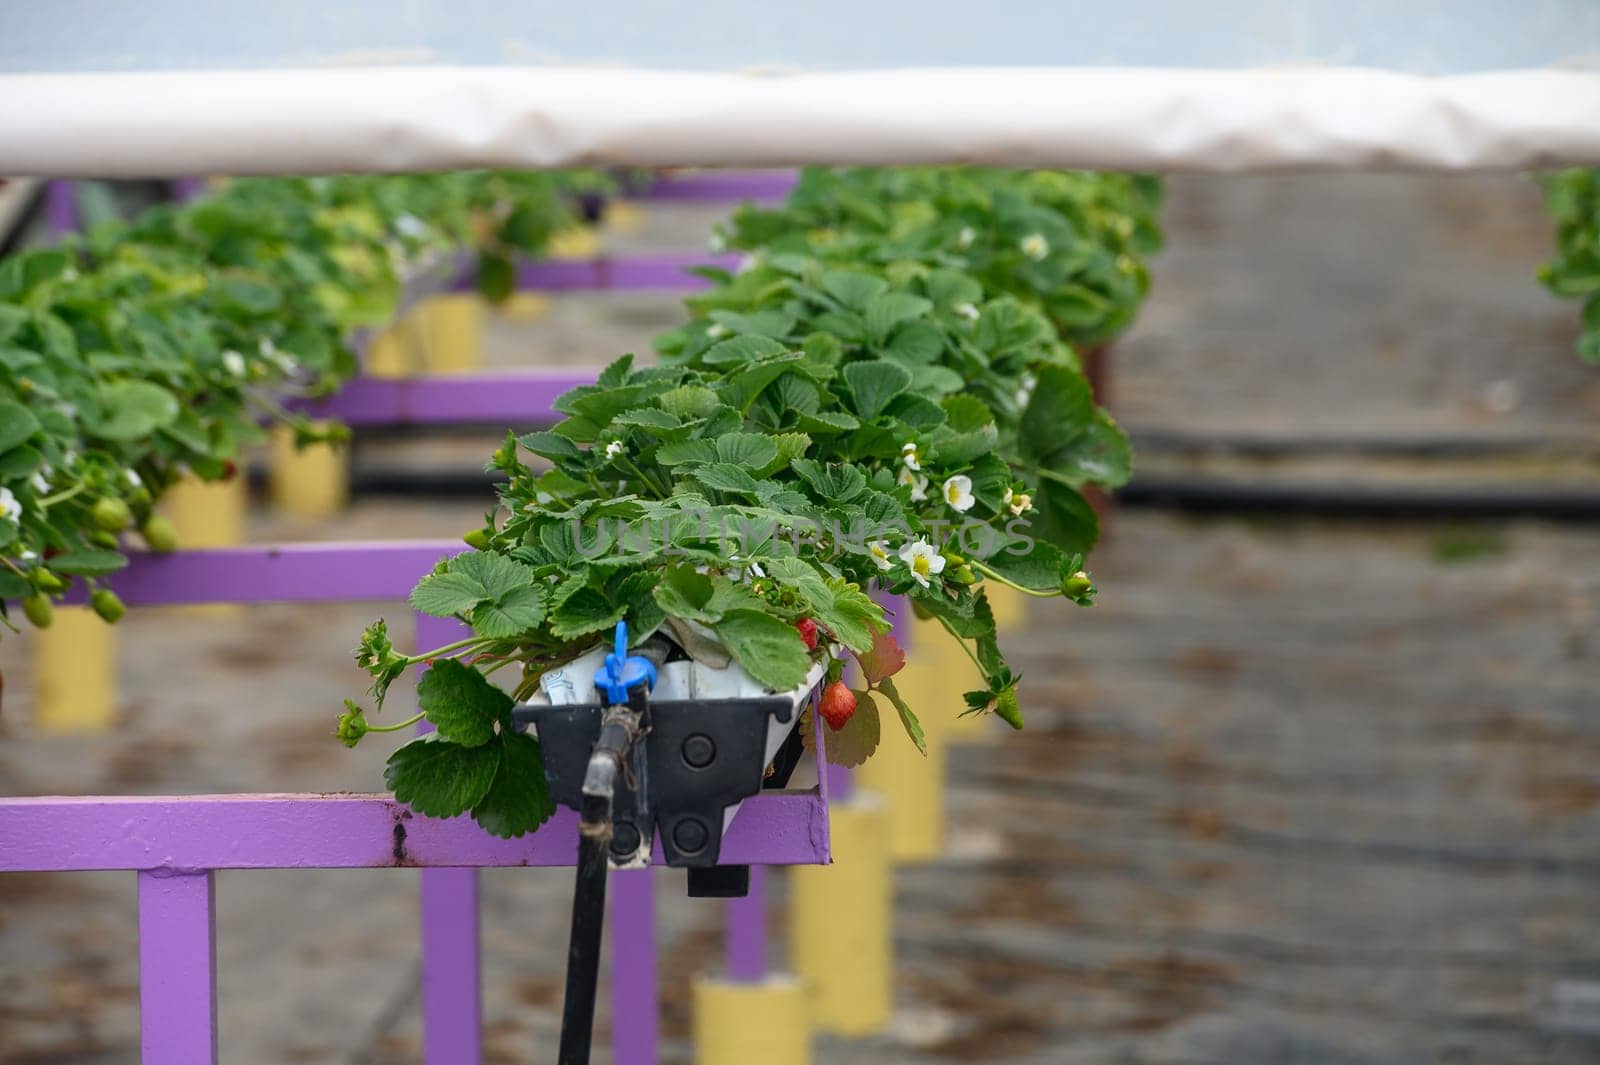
column 420, row 118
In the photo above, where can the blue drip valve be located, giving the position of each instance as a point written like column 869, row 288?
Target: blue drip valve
column 623, row 671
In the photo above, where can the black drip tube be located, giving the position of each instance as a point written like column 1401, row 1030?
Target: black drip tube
column 619, row 728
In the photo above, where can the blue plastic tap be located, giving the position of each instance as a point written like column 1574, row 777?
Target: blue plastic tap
column 623, row 671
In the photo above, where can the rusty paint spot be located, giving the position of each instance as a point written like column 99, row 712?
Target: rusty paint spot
column 399, row 853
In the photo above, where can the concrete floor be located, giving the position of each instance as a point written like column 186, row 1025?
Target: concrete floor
column 1295, row 791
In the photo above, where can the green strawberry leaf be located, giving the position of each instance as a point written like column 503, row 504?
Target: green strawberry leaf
column 517, row 611
column 439, row 778
column 908, row 719
column 134, row 409
column 461, row 703
column 17, row 424
column 768, row 648
column 444, row 595
column 873, row 384
column 88, row 563
column 519, row 799
column 586, row 610
column 1059, row 411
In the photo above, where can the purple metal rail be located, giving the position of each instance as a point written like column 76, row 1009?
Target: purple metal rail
column 171, row 835
column 720, row 186
column 658, row 272
column 511, row 397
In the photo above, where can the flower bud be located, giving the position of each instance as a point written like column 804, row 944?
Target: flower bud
column 111, row 514
column 106, row 603
column 160, row 534
column 38, row 609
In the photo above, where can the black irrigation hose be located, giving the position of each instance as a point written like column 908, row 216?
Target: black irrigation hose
column 619, row 730
column 583, row 949
column 1337, row 501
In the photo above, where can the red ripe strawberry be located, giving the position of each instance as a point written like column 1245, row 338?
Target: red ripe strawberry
column 838, row 705
column 808, row 632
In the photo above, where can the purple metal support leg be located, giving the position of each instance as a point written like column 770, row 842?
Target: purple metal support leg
column 452, row 1004
column 178, row 968
column 635, row 1006
column 747, row 931
column 60, row 208
column 452, row 972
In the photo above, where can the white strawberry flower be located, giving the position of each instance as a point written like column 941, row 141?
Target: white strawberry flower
column 918, row 484
column 133, row 479
column 9, row 507
column 923, row 561
column 965, row 238
column 880, row 553
column 1034, row 246
column 613, row 449
column 716, row 331
column 409, row 225
column 1025, row 390
column 958, row 492
column 1019, row 502
column 27, row 554
column 910, row 456
column 40, row 482
column 234, row 363
column 969, row 311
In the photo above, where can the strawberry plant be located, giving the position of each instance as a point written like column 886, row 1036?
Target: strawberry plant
column 1573, row 199
column 1069, row 244
column 140, row 351
column 876, row 413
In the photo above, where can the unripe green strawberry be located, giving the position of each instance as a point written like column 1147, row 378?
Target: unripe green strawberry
column 477, row 539
column 38, row 610
column 160, row 534
column 111, row 514
column 1006, row 708
column 838, row 705
column 1077, row 585
column 107, row 605
column 46, row 581
column 101, row 538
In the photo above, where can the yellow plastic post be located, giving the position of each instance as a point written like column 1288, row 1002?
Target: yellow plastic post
column 207, row 514
column 936, row 673
column 579, row 242
column 624, row 217
column 309, row 482
column 74, row 673
column 740, row 1023
column 911, row 783
column 451, row 328
column 841, row 936
column 389, row 355
column 524, row 307
column 1009, row 605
